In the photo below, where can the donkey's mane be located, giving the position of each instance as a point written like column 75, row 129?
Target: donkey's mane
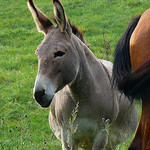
column 75, row 30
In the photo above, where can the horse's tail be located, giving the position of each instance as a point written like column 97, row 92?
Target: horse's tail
column 137, row 84
column 122, row 62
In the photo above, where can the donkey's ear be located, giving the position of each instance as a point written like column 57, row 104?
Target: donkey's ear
column 60, row 17
column 42, row 22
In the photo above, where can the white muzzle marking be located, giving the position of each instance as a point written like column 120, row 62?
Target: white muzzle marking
column 44, row 90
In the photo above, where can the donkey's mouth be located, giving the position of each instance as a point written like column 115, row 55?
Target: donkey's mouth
column 45, row 105
column 42, row 99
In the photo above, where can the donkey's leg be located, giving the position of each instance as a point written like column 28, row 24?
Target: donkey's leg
column 64, row 140
column 113, row 148
column 74, row 147
column 65, row 145
column 116, row 147
column 100, row 141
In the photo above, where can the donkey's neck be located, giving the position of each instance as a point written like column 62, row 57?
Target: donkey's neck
column 91, row 75
column 82, row 87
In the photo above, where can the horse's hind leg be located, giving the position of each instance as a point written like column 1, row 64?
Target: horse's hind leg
column 136, row 144
column 141, row 140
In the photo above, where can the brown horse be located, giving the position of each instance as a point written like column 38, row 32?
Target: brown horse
column 133, row 53
column 70, row 74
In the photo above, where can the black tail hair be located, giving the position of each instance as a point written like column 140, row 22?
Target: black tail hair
column 137, row 84
column 122, row 62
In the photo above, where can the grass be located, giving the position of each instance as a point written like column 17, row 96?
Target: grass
column 102, row 22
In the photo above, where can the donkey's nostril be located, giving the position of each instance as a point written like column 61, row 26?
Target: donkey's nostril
column 39, row 94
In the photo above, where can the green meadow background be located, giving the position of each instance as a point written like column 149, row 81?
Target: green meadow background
column 23, row 124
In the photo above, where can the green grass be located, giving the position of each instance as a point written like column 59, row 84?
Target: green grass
column 102, row 21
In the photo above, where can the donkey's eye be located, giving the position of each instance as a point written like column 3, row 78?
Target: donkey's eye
column 59, row 54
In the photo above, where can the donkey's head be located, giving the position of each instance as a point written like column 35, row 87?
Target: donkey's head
column 57, row 56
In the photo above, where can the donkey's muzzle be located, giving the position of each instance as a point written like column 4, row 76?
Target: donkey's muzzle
column 44, row 90
column 42, row 99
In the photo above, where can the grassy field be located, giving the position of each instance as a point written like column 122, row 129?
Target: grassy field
column 24, row 125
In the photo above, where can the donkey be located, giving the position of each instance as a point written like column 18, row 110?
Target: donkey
column 69, row 74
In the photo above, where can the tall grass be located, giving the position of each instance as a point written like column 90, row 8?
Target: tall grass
column 102, row 21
